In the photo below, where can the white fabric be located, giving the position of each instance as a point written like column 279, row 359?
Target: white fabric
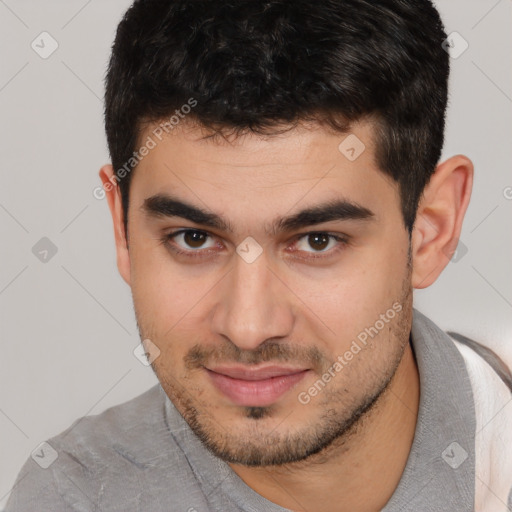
column 493, row 437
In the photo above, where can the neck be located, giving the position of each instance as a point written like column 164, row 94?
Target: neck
column 372, row 458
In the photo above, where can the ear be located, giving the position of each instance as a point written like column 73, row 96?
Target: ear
column 113, row 194
column 439, row 219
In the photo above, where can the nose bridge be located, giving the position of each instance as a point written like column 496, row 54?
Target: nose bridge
column 253, row 305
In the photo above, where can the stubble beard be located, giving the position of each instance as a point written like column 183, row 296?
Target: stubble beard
column 258, row 445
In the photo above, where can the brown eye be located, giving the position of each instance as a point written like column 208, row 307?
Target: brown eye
column 189, row 241
column 194, row 238
column 194, row 243
column 318, row 241
column 320, row 245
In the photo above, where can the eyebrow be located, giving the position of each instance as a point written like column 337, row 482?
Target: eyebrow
column 164, row 205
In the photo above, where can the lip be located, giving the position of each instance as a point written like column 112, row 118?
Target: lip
column 255, row 387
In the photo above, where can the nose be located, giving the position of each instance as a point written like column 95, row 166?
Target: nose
column 254, row 305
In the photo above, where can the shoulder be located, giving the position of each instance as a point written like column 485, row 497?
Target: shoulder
column 96, row 439
column 99, row 460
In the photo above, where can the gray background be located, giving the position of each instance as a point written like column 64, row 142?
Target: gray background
column 68, row 329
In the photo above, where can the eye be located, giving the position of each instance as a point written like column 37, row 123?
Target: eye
column 186, row 239
column 191, row 242
column 320, row 242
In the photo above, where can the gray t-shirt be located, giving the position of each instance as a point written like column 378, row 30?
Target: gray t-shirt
column 142, row 456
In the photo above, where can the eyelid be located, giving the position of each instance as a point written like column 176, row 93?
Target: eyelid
column 342, row 240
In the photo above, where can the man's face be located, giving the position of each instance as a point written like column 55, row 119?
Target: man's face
column 273, row 337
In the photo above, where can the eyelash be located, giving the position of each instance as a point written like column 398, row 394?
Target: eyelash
column 167, row 239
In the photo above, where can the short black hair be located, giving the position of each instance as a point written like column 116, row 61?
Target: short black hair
column 254, row 65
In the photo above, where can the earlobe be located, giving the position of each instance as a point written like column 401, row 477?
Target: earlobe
column 113, row 195
column 439, row 219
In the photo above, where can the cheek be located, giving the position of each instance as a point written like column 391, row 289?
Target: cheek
column 346, row 296
column 169, row 301
column 154, row 288
column 353, row 297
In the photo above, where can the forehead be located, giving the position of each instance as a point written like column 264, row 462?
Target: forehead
column 306, row 164
column 303, row 135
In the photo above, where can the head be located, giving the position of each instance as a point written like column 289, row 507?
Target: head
column 276, row 196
